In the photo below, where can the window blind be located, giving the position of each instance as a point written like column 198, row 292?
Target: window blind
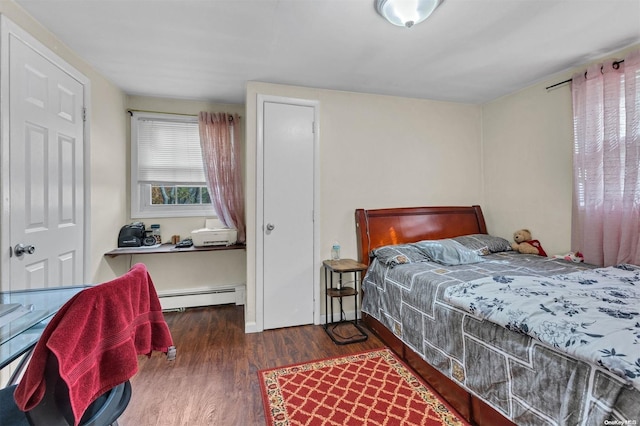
column 169, row 151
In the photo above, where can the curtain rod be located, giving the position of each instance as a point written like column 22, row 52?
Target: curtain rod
column 615, row 64
column 131, row 111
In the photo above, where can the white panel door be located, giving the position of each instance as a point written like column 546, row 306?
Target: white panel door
column 46, row 171
column 288, row 144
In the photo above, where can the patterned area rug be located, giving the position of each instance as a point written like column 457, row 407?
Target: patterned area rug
column 370, row 388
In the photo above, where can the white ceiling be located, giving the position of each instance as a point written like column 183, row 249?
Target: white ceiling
column 467, row 51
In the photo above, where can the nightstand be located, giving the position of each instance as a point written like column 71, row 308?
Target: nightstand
column 342, row 331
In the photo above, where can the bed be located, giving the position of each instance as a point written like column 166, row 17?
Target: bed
column 492, row 373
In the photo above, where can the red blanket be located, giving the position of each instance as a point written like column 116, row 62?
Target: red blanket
column 97, row 337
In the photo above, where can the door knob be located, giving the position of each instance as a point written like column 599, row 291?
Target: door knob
column 270, row 227
column 21, row 249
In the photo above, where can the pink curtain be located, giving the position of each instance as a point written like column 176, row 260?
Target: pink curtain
column 219, row 139
column 606, row 201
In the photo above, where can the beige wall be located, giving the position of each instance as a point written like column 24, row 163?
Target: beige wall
column 512, row 156
column 375, row 152
column 107, row 147
column 109, row 179
column 180, row 270
column 527, row 144
column 527, row 140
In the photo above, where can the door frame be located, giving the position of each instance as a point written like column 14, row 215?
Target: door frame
column 261, row 100
column 9, row 29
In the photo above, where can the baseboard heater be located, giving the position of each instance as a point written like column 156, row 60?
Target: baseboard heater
column 202, row 296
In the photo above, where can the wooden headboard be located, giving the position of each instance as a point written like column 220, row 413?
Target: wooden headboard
column 381, row 227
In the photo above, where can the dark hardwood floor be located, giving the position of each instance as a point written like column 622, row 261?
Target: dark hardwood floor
column 214, row 379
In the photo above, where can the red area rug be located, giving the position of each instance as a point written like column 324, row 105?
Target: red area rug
column 370, row 388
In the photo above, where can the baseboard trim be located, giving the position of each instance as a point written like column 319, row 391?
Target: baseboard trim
column 251, row 327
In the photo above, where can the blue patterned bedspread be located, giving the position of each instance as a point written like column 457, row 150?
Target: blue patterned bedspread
column 593, row 315
column 528, row 381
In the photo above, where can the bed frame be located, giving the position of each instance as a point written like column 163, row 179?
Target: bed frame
column 380, row 227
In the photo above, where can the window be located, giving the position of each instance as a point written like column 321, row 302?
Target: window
column 167, row 174
column 606, row 218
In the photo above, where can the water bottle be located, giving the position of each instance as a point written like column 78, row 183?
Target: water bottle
column 335, row 251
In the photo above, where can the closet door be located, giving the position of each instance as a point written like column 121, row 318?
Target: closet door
column 288, row 215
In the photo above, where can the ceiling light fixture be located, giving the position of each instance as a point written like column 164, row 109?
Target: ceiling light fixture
column 406, row 13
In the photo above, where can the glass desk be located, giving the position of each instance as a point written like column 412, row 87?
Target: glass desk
column 24, row 315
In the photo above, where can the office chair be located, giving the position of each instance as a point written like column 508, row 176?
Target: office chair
column 55, row 409
column 90, row 345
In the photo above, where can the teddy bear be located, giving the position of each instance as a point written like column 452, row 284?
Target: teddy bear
column 524, row 243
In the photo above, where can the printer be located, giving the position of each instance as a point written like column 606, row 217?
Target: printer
column 214, row 234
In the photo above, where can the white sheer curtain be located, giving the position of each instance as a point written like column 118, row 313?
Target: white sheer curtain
column 606, row 201
column 219, row 139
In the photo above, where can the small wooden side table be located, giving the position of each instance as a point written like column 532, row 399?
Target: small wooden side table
column 340, row 267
